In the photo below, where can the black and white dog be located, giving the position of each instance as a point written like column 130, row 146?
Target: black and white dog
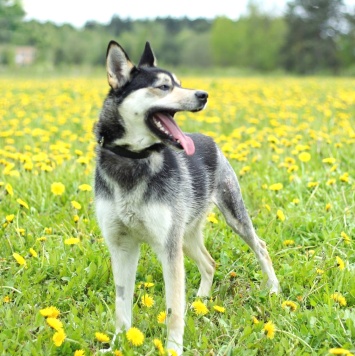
column 155, row 184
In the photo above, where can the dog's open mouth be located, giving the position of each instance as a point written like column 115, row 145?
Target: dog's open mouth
column 164, row 126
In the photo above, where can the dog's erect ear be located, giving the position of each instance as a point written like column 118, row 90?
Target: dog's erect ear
column 118, row 65
column 148, row 58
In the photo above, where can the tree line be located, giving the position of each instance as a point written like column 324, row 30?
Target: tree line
column 312, row 36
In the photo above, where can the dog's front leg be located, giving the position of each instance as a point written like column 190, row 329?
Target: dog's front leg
column 172, row 259
column 124, row 258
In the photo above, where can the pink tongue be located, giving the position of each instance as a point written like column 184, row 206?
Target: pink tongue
column 185, row 141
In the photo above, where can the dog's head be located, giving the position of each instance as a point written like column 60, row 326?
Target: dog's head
column 147, row 99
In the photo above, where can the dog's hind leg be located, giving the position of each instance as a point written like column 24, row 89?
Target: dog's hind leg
column 229, row 200
column 195, row 249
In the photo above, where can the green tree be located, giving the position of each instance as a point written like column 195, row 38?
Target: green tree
column 11, row 15
column 313, row 27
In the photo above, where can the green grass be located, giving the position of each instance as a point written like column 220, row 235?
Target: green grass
column 259, row 123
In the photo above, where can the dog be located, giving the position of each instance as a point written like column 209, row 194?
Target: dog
column 156, row 184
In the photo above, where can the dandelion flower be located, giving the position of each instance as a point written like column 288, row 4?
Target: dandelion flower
column 172, row 352
column 118, row 353
column 57, row 188
column 296, row 201
column 147, row 301
column 22, row 203
column 340, row 351
column 75, row 205
column 319, row 271
column 6, row 299
column 345, row 237
column 280, row 215
column 340, row 263
column 212, row 218
column 331, row 181
column 135, row 336
column 330, row 160
column 72, row 241
column 199, row 307
column 161, row 317
column 85, row 188
column 338, row 298
column 269, row 329
column 159, row 346
column 288, row 242
column 312, row 184
column 304, row 156
column 33, row 252
column 79, row 353
column 219, row 309
column 289, row 304
column 344, row 177
column 255, row 320
column 51, row 312
column 59, row 337
column 328, row 207
column 9, row 189
column 19, row 259
column 10, row 218
column 276, row 186
column 148, row 284
column 54, row 323
column 102, row 337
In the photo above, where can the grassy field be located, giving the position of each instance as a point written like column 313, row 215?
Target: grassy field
column 292, row 144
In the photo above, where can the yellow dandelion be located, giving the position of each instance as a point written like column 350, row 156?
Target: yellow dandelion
column 255, row 320
column 76, row 218
column 72, row 241
column 276, row 186
column 329, row 160
column 172, row 352
column 9, row 189
column 331, row 181
column 85, row 188
column 48, row 230
column 296, row 201
column 118, row 353
column 269, row 329
column 57, row 188
column 54, row 323
column 280, row 215
column 147, row 301
column 320, row 271
column 288, row 242
column 22, row 203
column 79, row 353
column 199, row 307
column 340, row 351
column 289, row 305
column 312, row 184
column 135, row 336
column 33, row 252
column 102, row 337
column 75, row 205
column 219, row 309
column 19, row 259
column 148, row 285
column 267, row 207
column 59, row 337
column 304, row 156
column 6, row 299
column 10, row 218
column 41, row 239
column 345, row 237
column 328, row 206
column 159, row 346
column 338, row 298
column 51, row 312
column 212, row 218
column 244, row 170
column 344, row 177
column 161, row 317
column 340, row 263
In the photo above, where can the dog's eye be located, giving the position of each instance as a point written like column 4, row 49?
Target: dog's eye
column 164, row 87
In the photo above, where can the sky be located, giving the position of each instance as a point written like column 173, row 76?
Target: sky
column 77, row 12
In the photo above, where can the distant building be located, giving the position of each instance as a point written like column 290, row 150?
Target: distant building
column 24, row 55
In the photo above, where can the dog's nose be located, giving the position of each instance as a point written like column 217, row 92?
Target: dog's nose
column 201, row 95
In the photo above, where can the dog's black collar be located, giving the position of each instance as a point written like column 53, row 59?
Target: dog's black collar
column 123, row 152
